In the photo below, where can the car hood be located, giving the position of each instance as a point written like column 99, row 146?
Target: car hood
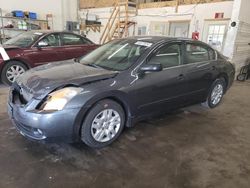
column 10, row 47
column 42, row 80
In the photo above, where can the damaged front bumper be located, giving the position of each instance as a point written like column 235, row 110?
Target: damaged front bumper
column 42, row 126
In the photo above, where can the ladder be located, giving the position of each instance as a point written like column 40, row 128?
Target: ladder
column 120, row 21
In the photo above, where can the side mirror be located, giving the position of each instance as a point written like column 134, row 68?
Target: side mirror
column 42, row 44
column 149, row 68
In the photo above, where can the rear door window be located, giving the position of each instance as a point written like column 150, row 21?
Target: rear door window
column 71, row 39
column 196, row 53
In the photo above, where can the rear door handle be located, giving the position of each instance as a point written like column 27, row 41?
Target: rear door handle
column 180, row 77
column 203, row 65
column 206, row 66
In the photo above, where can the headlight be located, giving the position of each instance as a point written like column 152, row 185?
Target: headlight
column 58, row 99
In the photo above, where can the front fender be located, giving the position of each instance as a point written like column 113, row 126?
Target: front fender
column 87, row 101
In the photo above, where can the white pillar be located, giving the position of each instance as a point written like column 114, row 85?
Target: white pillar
column 232, row 31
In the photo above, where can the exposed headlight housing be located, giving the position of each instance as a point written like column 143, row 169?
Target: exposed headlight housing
column 58, row 99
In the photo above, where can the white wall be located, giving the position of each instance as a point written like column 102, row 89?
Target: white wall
column 237, row 44
column 69, row 11
column 232, row 31
column 244, row 11
column 62, row 10
column 195, row 13
column 103, row 13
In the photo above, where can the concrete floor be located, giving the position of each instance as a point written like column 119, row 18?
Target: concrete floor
column 192, row 148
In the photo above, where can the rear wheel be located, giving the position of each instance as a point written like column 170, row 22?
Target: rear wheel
column 216, row 93
column 11, row 71
column 242, row 77
column 103, row 124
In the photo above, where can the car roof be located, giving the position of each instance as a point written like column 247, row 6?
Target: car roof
column 44, row 32
column 156, row 39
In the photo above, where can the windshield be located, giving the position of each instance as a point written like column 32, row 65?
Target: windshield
column 117, row 55
column 24, row 39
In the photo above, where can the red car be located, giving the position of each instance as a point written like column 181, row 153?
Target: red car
column 35, row 48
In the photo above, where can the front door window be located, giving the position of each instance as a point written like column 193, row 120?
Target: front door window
column 52, row 40
column 167, row 56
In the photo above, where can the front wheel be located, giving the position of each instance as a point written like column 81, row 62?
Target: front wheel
column 216, row 93
column 103, row 124
column 11, row 71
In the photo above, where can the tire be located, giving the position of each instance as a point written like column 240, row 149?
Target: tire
column 242, row 77
column 98, row 135
column 220, row 85
column 12, row 66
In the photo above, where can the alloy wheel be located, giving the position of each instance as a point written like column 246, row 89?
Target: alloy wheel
column 217, row 94
column 13, row 72
column 105, row 125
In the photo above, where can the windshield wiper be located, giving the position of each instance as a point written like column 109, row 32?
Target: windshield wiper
column 94, row 65
column 100, row 67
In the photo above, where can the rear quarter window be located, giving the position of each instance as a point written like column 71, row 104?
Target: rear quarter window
column 71, row 39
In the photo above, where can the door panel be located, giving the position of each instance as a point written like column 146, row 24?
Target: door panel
column 75, row 51
column 40, row 56
column 74, row 46
column 200, row 70
column 200, row 77
column 45, row 54
column 160, row 91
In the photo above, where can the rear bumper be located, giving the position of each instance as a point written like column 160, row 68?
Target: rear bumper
column 50, row 127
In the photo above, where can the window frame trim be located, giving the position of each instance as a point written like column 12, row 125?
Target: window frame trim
column 35, row 45
column 179, row 42
column 63, row 45
column 207, row 47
